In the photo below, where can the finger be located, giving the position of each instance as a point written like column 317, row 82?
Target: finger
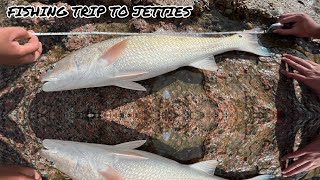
column 303, row 70
column 28, row 59
column 21, row 177
column 29, row 172
column 290, row 19
column 294, row 154
column 297, row 168
column 285, row 31
column 36, row 56
column 37, row 176
column 40, row 48
column 297, row 77
column 298, row 60
column 18, row 33
column 38, row 53
column 30, row 47
column 286, row 15
column 15, row 178
column 313, row 63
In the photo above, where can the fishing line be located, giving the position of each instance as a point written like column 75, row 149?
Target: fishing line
column 142, row 34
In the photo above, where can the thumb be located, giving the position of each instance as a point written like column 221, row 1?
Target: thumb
column 19, row 33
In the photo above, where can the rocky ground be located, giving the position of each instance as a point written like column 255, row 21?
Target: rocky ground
column 245, row 115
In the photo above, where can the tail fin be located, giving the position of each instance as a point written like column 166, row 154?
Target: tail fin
column 250, row 43
column 262, row 177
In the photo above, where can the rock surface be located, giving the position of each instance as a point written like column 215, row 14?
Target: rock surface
column 245, row 115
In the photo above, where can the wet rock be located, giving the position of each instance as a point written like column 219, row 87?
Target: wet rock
column 272, row 8
column 179, row 148
column 140, row 25
column 246, row 115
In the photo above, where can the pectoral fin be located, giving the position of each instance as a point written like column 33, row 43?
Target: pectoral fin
column 130, row 85
column 208, row 64
column 111, row 174
column 130, row 154
column 130, row 75
column 206, row 166
column 113, row 53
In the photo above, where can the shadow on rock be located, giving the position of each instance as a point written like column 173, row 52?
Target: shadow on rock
column 294, row 115
column 236, row 175
column 8, row 102
column 311, row 128
column 184, row 156
column 187, row 75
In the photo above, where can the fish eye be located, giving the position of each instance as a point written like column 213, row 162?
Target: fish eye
column 240, row 36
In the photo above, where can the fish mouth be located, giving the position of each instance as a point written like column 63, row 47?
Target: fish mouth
column 53, row 84
column 44, row 80
column 50, row 86
column 50, row 83
column 50, row 145
column 48, row 150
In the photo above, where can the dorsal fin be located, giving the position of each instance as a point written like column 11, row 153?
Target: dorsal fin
column 130, row 154
column 111, row 174
column 206, row 166
column 113, row 53
column 130, row 145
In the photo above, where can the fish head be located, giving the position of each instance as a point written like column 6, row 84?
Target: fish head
column 72, row 72
column 60, row 153
column 77, row 160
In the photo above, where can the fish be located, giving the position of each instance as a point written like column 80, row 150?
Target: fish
column 122, row 162
column 125, row 60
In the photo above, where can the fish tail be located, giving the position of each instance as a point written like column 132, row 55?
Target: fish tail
column 250, row 43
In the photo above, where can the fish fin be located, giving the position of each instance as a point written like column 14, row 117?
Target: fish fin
column 130, row 85
column 206, row 166
column 129, row 154
column 111, row 174
column 113, row 53
column 262, row 177
column 251, row 44
column 130, row 145
column 130, row 75
column 208, row 64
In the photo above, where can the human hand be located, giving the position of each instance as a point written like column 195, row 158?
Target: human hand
column 308, row 159
column 308, row 72
column 12, row 53
column 302, row 25
column 18, row 173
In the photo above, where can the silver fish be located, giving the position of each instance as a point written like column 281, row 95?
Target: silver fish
column 83, row 161
column 122, row 61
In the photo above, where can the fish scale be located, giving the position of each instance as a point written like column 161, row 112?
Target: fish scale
column 122, row 61
column 122, row 162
